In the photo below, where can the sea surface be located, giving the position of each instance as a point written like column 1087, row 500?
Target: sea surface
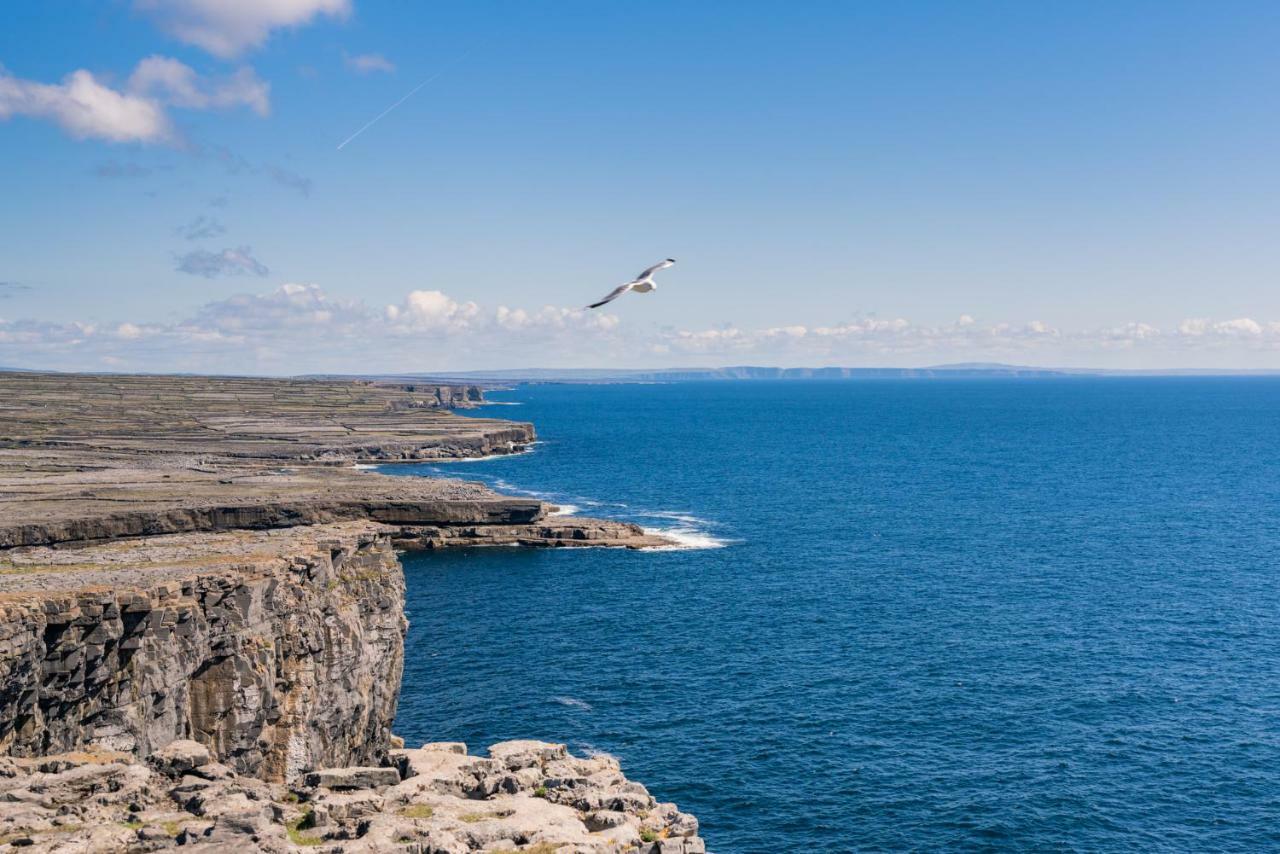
column 1028, row 615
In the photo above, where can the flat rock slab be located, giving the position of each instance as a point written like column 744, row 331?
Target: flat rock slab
column 354, row 778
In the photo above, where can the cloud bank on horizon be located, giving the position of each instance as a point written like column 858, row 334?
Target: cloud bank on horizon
column 300, row 328
column 798, row 213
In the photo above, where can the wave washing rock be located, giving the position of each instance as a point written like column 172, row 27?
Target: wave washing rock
column 525, row 796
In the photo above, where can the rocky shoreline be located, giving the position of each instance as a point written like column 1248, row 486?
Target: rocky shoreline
column 193, row 564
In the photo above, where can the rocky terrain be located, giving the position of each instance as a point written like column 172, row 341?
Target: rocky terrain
column 196, row 564
column 524, row 796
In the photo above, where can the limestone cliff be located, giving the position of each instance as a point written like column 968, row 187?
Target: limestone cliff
column 281, row 656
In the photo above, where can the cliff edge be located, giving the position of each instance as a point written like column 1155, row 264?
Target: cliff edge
column 197, row 561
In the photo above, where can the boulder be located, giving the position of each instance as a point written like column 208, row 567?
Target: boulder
column 180, row 757
column 524, row 753
column 354, row 778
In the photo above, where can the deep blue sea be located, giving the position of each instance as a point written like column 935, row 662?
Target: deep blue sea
column 1030, row 615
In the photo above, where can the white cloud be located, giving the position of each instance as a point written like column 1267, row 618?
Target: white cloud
column 85, row 108
column 1202, row 327
column 553, row 319
column 1239, row 326
column 1133, row 332
column 171, row 82
column 226, row 28
column 431, row 310
column 291, row 306
column 366, row 63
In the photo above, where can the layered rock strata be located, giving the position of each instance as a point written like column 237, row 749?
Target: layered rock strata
column 279, row 650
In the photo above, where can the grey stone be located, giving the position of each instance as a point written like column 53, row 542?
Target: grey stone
column 354, row 778
column 180, row 757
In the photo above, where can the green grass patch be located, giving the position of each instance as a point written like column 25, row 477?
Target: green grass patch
column 473, row 817
column 299, row 824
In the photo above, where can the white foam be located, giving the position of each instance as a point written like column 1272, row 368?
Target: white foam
column 573, row 703
column 677, row 516
column 685, row 539
column 591, row 751
column 364, row 466
column 527, row 449
column 565, row 510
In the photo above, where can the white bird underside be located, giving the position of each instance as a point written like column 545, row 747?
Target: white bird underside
column 641, row 284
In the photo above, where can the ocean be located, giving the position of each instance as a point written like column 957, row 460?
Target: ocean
column 1036, row 615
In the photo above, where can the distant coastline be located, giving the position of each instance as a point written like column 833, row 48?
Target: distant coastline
column 959, row 371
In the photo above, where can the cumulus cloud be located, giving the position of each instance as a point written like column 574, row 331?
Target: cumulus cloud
column 1201, row 327
column 202, row 228
column 227, row 28
column 87, row 108
column 228, row 262
column 171, row 82
column 289, row 307
column 367, row 63
column 431, row 310
column 553, row 319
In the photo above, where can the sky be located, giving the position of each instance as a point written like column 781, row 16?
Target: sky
column 862, row 184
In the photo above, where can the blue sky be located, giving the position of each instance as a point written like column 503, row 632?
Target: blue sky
column 1090, row 184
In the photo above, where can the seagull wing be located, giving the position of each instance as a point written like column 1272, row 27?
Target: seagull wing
column 613, row 294
column 661, row 265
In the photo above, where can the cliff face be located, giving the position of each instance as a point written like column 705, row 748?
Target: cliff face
column 287, row 661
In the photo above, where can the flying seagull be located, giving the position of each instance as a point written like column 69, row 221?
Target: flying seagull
column 641, row 284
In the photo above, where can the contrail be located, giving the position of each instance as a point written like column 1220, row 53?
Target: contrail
column 410, row 94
